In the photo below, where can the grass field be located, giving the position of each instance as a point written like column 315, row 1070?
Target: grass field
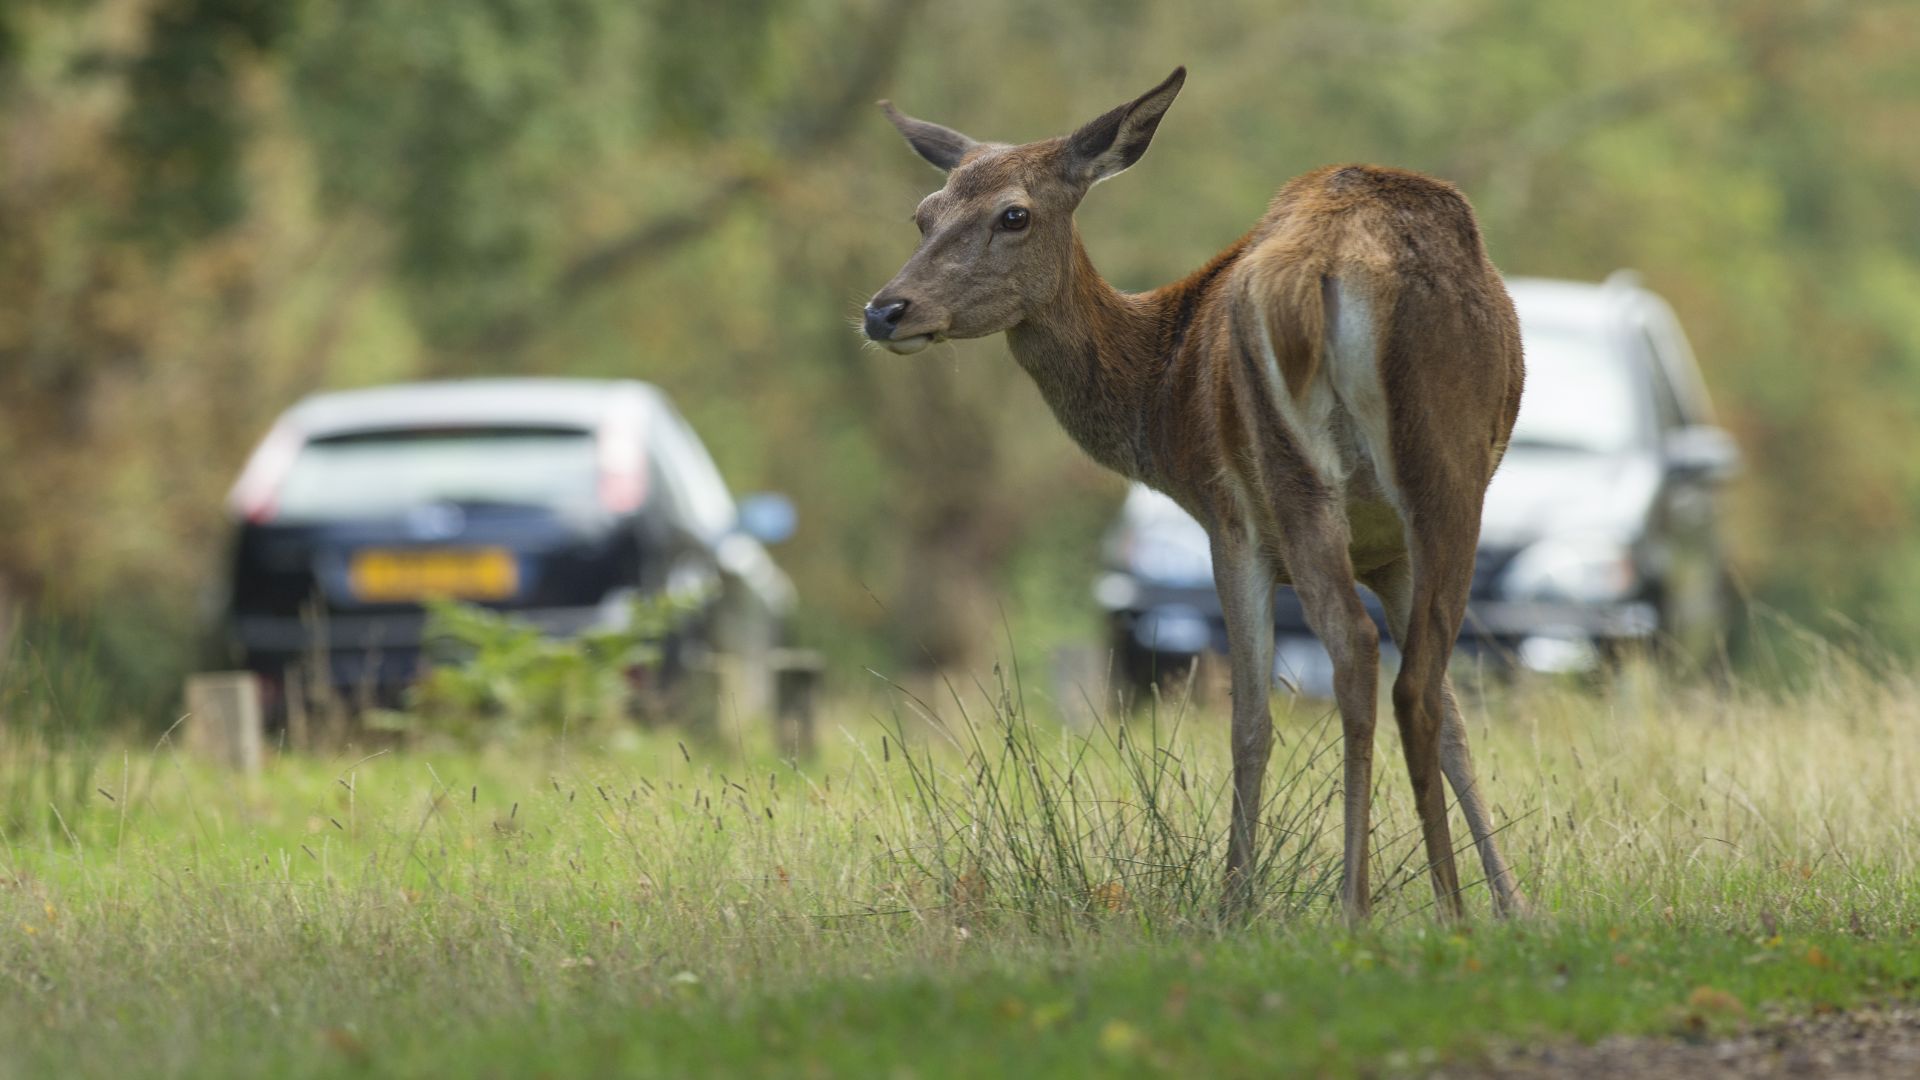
column 953, row 889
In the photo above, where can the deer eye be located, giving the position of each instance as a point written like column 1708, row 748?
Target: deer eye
column 1014, row 218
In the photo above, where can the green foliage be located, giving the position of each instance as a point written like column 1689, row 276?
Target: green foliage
column 701, row 92
column 56, row 703
column 500, row 111
column 501, row 676
column 699, row 194
column 184, row 130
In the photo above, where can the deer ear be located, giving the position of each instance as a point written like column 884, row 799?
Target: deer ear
column 942, row 146
column 1106, row 146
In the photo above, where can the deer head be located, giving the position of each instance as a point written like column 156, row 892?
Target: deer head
column 997, row 242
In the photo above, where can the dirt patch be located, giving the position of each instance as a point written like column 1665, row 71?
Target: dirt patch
column 1852, row 1045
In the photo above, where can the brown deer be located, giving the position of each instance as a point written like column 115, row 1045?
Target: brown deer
column 1329, row 396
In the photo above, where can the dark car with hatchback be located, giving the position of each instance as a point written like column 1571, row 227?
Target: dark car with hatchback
column 561, row 501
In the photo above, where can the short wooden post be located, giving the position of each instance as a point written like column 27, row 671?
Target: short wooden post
column 796, row 676
column 1080, row 692
column 294, row 702
column 697, row 701
column 224, row 721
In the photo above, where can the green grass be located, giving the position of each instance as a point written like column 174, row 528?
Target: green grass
column 999, row 894
column 1258, row 1002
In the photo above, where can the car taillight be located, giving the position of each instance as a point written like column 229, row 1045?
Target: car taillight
column 622, row 492
column 623, row 469
column 256, row 495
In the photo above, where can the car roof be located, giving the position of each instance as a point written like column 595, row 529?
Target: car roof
column 1570, row 304
column 566, row 403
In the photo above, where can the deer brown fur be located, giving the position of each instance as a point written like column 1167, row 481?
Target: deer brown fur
column 1329, row 397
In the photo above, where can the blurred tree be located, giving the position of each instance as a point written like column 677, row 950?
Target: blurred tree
column 702, row 93
column 210, row 207
column 182, row 132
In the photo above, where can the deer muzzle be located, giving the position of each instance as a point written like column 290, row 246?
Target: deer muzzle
column 883, row 320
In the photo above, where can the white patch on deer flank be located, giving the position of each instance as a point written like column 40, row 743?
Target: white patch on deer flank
column 1310, row 421
column 1352, row 363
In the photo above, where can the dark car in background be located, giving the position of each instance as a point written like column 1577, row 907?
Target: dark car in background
column 558, row 500
column 1601, row 530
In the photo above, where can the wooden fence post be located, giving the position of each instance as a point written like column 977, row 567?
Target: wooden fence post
column 796, row 676
column 224, row 721
column 1081, row 687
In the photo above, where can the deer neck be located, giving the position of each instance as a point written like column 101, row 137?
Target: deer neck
column 1097, row 353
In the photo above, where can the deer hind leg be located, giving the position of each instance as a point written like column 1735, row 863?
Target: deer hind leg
column 1245, row 579
column 1457, row 762
column 1441, row 572
column 1314, row 549
column 1394, row 585
column 1359, row 345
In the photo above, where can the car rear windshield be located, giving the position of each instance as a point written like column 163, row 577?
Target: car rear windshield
column 372, row 475
column 1581, row 392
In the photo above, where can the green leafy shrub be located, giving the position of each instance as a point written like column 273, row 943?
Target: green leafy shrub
column 500, row 675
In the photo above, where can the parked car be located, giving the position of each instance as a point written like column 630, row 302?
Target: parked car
column 558, row 500
column 1601, row 530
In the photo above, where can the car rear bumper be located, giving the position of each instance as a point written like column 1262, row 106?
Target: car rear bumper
column 359, row 633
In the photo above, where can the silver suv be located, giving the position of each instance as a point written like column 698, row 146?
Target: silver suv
column 1601, row 529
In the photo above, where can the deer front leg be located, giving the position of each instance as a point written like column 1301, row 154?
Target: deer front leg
column 1245, row 580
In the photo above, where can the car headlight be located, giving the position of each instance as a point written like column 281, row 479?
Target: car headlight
column 1584, row 570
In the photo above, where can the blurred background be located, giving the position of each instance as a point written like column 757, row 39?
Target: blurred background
column 211, row 208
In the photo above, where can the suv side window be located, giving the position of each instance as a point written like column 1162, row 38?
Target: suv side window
column 663, row 474
column 1666, row 403
column 1680, row 375
column 712, row 504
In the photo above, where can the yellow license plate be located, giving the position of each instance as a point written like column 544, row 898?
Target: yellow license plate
column 392, row 577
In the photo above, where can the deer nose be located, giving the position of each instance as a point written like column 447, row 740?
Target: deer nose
column 883, row 316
